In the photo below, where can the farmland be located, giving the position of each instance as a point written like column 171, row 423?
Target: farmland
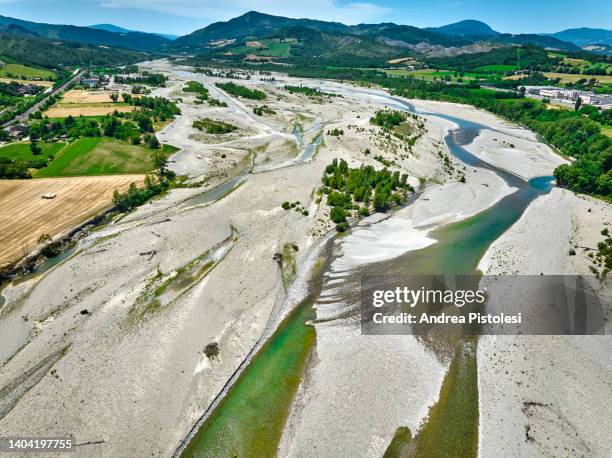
column 86, row 103
column 22, row 81
column 25, row 216
column 25, row 72
column 101, row 156
column 21, row 151
column 572, row 77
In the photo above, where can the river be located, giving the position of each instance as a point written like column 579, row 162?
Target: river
column 251, row 418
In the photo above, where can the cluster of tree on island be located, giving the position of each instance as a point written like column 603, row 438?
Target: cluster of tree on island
column 358, row 191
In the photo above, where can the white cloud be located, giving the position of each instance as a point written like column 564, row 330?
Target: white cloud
column 217, row 10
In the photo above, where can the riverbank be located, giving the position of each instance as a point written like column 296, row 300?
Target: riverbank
column 548, row 395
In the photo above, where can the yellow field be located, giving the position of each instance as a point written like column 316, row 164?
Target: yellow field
column 24, row 215
column 569, row 78
column 34, row 82
column 77, row 102
column 85, row 110
column 82, row 96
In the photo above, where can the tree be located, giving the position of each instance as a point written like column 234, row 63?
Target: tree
column 114, row 97
column 151, row 141
column 577, row 104
column 35, row 148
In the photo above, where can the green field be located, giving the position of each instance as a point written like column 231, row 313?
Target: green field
column 497, row 68
column 101, row 156
column 271, row 48
column 25, row 72
column 21, row 151
column 429, row 75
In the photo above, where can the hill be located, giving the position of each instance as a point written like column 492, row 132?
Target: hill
column 116, row 29
column 467, row 28
column 585, row 36
column 542, row 41
column 254, row 25
column 39, row 51
column 132, row 40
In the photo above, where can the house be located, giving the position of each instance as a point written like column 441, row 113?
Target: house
column 17, row 131
column 90, row 82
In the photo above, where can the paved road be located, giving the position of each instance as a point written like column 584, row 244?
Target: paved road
column 26, row 114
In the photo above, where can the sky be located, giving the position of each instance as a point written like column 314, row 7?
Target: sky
column 181, row 17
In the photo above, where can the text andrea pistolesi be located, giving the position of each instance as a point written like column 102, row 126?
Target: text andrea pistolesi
column 392, row 303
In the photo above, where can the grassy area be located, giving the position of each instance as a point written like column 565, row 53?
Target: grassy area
column 607, row 131
column 25, row 72
column 21, row 151
column 571, row 78
column 497, row 68
column 276, row 50
column 101, row 156
column 429, row 75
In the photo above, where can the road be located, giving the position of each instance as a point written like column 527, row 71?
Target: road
column 26, row 114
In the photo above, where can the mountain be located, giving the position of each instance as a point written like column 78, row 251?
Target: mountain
column 116, row 29
column 132, row 40
column 255, row 25
column 542, row 41
column 37, row 51
column 252, row 24
column 109, row 28
column 585, row 36
column 467, row 28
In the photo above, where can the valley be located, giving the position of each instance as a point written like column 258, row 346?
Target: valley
column 198, row 229
column 251, row 263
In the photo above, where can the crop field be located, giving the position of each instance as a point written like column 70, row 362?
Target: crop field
column 25, row 216
column 83, row 109
column 78, row 102
column 571, row 78
column 82, row 96
column 101, row 156
column 25, row 72
column 34, row 82
column 21, row 151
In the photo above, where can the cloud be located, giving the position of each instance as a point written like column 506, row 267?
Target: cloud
column 215, row 10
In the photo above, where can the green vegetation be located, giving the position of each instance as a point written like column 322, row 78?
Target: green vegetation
column 101, row 156
column 263, row 110
column 35, row 51
column 150, row 79
column 354, row 191
column 388, row 119
column 26, row 72
column 394, row 122
column 602, row 259
column 216, row 102
column 335, row 132
column 574, row 133
column 309, row 91
column 214, row 127
column 17, row 159
column 198, row 88
column 154, row 185
column 133, row 126
column 241, row 91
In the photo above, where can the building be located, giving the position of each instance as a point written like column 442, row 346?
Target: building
column 17, row 131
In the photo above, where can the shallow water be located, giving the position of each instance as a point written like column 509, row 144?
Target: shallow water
column 457, row 250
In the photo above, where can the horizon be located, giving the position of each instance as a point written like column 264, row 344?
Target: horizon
column 159, row 16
